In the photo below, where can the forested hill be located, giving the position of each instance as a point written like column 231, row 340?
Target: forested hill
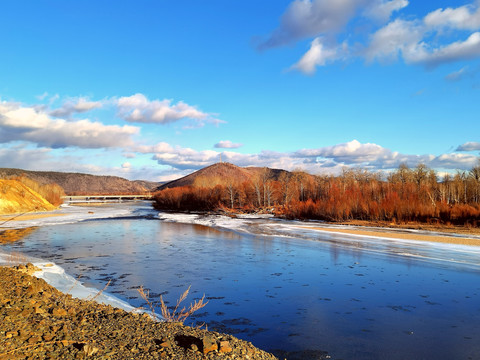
column 401, row 196
column 83, row 184
column 221, row 174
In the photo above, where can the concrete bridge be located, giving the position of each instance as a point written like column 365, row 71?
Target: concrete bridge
column 105, row 198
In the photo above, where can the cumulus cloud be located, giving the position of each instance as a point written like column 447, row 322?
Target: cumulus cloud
column 469, row 146
column 466, row 17
column 30, row 124
column 227, row 144
column 399, row 37
column 178, row 161
column 454, row 161
column 161, row 147
column 328, row 159
column 456, row 51
column 318, row 55
column 383, row 10
column 307, row 18
column 75, row 105
column 405, row 39
column 138, row 108
column 22, row 158
column 416, row 40
column 186, row 158
column 410, row 38
column 352, row 152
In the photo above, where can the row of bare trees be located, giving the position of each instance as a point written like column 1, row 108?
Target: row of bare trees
column 407, row 194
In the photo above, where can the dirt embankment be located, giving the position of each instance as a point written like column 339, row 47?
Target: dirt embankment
column 16, row 197
column 40, row 322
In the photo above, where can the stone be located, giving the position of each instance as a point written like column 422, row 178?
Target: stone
column 10, row 334
column 89, row 350
column 39, row 310
column 59, row 312
column 34, row 339
column 48, row 337
column 209, row 344
column 65, row 342
column 225, row 347
column 165, row 344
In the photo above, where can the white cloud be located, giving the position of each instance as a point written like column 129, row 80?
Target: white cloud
column 21, row 158
column 227, row 144
column 457, row 75
column 469, row 146
column 317, row 55
column 161, row 147
column 456, row 51
column 137, row 108
column 42, row 96
column 416, row 40
column 405, row 39
column 75, row 105
column 307, row 18
column 352, row 152
column 328, row 159
column 396, row 38
column 454, row 161
column 186, row 158
column 33, row 125
column 382, row 10
column 129, row 155
column 181, row 161
column 466, row 17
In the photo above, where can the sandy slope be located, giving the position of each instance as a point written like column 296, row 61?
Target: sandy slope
column 15, row 197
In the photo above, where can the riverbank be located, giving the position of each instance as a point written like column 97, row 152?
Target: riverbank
column 459, row 235
column 39, row 321
column 404, row 236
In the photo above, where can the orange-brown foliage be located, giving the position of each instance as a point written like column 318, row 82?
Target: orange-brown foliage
column 51, row 192
column 406, row 195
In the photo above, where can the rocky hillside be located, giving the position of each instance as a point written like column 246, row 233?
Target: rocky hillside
column 221, row 173
column 16, row 197
column 39, row 322
column 83, row 184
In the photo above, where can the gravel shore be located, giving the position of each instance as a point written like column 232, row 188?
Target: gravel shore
column 39, row 322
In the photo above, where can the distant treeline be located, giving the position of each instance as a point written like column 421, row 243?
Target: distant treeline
column 405, row 195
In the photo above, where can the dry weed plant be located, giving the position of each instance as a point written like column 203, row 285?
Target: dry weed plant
column 94, row 298
column 174, row 315
column 15, row 258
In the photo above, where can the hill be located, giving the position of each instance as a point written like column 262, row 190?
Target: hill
column 80, row 184
column 221, row 174
column 16, row 197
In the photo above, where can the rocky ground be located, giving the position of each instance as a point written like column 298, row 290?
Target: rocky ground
column 39, row 322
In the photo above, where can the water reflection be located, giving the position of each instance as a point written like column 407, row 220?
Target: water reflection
column 355, row 299
column 12, row 235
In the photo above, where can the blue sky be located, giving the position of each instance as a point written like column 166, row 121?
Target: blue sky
column 157, row 89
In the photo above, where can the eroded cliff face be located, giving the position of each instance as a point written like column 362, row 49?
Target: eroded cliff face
column 16, row 197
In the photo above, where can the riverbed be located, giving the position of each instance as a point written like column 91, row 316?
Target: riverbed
column 282, row 285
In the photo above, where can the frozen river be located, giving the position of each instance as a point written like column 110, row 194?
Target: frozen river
column 281, row 285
